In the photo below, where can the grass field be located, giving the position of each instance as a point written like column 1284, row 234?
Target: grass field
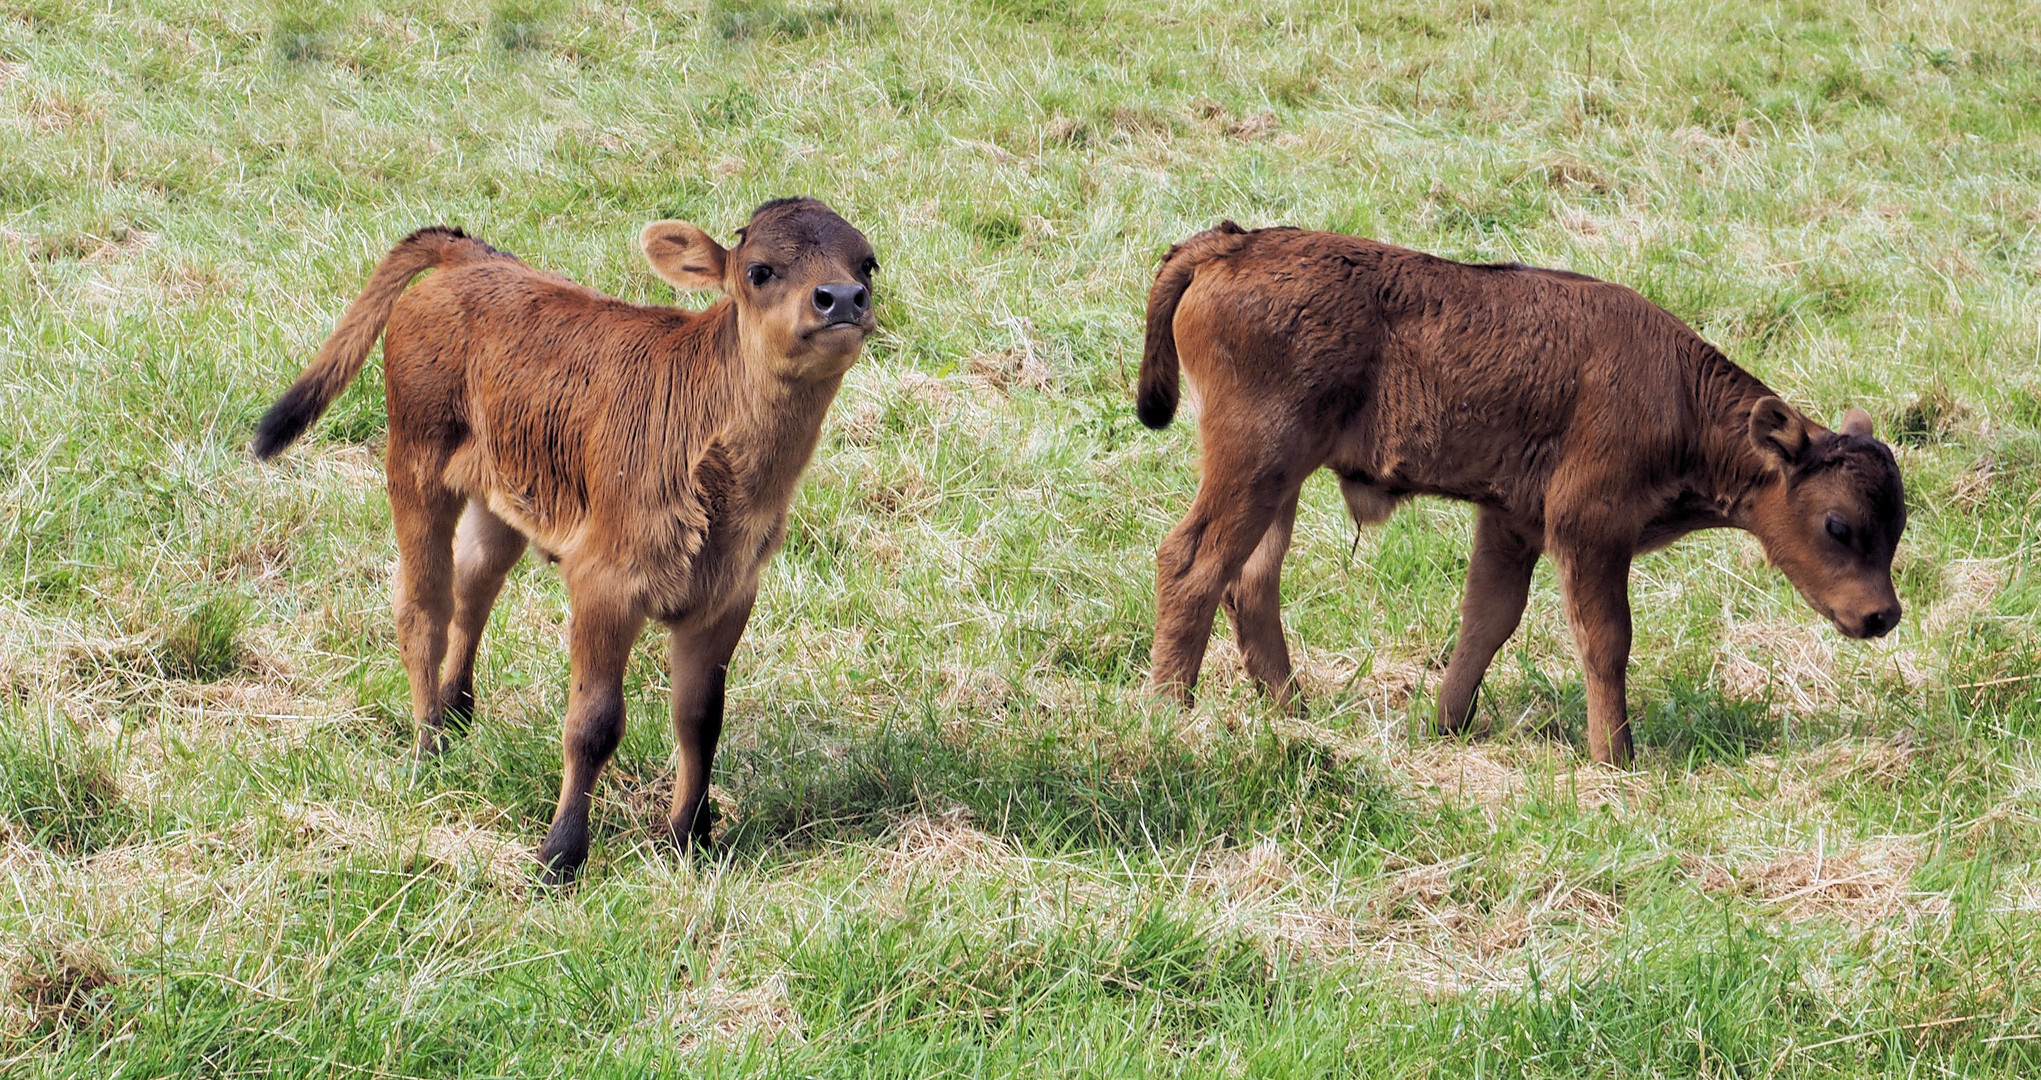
column 956, row 839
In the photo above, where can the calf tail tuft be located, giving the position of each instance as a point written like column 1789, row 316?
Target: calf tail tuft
column 348, row 348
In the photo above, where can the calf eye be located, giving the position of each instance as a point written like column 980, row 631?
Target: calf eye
column 870, row 267
column 759, row 274
column 1838, row 529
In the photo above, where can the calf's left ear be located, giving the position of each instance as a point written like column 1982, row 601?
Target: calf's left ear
column 1856, row 422
column 684, row 255
column 1778, row 430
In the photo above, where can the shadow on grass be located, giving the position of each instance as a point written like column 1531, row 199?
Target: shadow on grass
column 1146, row 790
column 798, row 785
column 882, row 986
column 1677, row 724
column 1688, row 726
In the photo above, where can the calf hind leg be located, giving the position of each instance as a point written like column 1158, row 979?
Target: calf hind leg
column 1498, row 583
column 423, row 516
column 1237, row 501
column 485, row 549
column 1254, row 603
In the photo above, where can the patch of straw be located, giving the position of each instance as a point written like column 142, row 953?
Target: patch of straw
column 500, row 860
column 1860, row 885
column 944, row 846
column 1492, row 776
column 719, row 1013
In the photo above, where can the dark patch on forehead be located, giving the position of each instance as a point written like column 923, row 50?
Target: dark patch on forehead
column 799, row 224
column 1868, row 467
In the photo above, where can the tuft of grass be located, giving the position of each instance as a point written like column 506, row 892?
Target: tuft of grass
column 881, row 985
column 1928, row 418
column 64, row 985
column 523, row 25
column 1150, row 789
column 204, row 644
column 742, row 20
column 1693, row 726
column 60, row 789
column 301, row 30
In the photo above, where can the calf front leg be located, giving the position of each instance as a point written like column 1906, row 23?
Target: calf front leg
column 1596, row 581
column 1498, row 583
column 700, row 659
column 600, row 639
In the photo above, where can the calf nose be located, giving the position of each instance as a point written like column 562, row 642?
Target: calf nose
column 1878, row 623
column 846, row 302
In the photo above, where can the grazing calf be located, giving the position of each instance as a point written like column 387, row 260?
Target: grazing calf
column 1581, row 419
column 652, row 451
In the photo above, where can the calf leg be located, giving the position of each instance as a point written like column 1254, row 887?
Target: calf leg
column 599, row 646
column 1498, row 583
column 1596, row 581
column 423, row 514
column 1254, row 603
column 1237, row 501
column 485, row 548
column 700, row 658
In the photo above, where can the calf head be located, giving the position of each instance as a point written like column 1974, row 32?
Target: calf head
column 1829, row 512
column 801, row 278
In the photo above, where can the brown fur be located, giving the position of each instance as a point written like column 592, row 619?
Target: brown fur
column 652, row 451
column 1584, row 421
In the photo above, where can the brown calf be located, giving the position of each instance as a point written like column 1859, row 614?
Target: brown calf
column 651, row 450
column 1583, row 421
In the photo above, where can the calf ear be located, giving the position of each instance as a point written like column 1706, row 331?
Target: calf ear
column 1778, row 430
column 685, row 256
column 1856, row 422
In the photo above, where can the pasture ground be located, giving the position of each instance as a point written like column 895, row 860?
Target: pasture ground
column 956, row 839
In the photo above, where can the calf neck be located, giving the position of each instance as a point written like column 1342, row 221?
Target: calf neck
column 1583, row 421
column 651, row 451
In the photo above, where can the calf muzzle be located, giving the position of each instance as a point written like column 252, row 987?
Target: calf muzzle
column 1875, row 623
column 842, row 302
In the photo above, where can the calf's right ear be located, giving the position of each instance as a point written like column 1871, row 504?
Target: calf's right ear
column 684, row 255
column 1778, row 430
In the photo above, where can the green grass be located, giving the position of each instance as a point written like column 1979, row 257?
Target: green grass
column 955, row 837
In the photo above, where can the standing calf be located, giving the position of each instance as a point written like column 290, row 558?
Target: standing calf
column 651, row 450
column 1581, row 419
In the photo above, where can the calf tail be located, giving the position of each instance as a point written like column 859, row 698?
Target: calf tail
column 345, row 351
column 1157, row 393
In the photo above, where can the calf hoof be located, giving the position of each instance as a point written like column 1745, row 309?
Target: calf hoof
column 457, row 705
column 1618, row 757
column 560, row 859
column 432, row 742
column 559, row 871
column 1173, row 691
column 1455, row 705
column 1611, row 749
column 690, row 835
